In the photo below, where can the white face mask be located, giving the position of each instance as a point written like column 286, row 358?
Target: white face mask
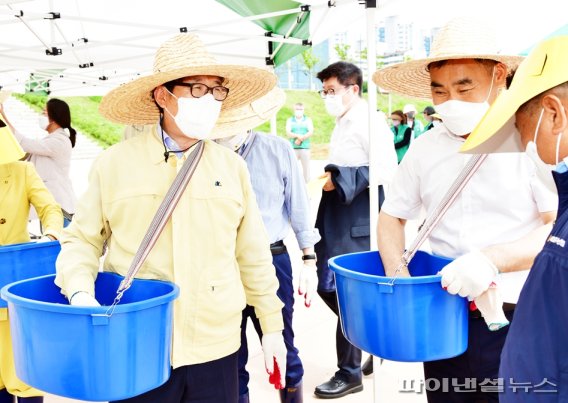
column 233, row 143
column 43, row 122
column 543, row 170
column 461, row 117
column 196, row 117
column 334, row 104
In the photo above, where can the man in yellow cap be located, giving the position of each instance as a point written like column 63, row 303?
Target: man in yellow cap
column 533, row 116
column 489, row 222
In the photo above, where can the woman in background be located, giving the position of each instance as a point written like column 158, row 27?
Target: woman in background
column 402, row 133
column 51, row 155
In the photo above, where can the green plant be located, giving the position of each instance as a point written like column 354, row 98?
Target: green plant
column 309, row 60
column 342, row 50
column 84, row 116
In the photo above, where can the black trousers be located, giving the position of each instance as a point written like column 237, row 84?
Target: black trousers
column 348, row 356
column 471, row 377
column 210, row 382
column 6, row 397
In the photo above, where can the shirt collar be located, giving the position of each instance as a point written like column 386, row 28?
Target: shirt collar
column 450, row 134
column 171, row 145
column 351, row 113
column 561, row 167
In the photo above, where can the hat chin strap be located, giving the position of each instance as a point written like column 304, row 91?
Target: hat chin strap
column 166, row 151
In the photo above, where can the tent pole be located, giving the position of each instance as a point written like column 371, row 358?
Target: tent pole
column 372, row 93
column 371, row 6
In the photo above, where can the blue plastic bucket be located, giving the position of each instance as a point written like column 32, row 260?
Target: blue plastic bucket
column 414, row 320
column 26, row 260
column 80, row 353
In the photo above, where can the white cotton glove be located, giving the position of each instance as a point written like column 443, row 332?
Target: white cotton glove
column 490, row 304
column 308, row 283
column 83, row 298
column 469, row 275
column 44, row 238
column 275, row 352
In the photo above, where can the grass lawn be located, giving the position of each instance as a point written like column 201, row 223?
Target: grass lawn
column 86, row 118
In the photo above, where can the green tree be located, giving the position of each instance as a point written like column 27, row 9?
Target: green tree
column 309, row 60
column 342, row 50
column 380, row 62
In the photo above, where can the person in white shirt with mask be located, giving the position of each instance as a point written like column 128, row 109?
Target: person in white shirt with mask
column 343, row 213
column 494, row 228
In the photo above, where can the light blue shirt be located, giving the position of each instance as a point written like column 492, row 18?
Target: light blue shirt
column 171, row 145
column 280, row 189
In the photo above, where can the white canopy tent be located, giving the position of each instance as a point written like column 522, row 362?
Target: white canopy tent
column 89, row 47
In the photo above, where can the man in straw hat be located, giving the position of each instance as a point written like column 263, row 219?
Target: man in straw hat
column 343, row 213
column 283, row 202
column 493, row 226
column 214, row 247
column 536, row 105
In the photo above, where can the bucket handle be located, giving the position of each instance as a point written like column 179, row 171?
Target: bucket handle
column 404, row 261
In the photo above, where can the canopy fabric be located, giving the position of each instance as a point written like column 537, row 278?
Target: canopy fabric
column 89, row 47
column 295, row 25
column 74, row 47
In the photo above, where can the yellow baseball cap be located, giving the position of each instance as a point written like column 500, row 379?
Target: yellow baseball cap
column 544, row 68
column 10, row 149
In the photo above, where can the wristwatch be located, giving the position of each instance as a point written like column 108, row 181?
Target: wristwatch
column 309, row 257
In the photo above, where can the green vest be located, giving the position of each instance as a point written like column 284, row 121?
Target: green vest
column 299, row 127
column 398, row 137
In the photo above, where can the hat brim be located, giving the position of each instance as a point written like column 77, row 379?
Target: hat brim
column 412, row 78
column 249, row 116
column 133, row 103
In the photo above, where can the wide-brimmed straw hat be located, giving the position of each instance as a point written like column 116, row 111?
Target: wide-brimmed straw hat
column 544, row 68
column 249, row 116
column 183, row 55
column 461, row 38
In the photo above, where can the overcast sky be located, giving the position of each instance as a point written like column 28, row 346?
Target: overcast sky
column 519, row 23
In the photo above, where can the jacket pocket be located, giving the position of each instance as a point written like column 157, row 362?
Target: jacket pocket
column 219, row 316
column 360, row 231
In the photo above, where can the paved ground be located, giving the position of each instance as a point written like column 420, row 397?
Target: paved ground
column 314, row 326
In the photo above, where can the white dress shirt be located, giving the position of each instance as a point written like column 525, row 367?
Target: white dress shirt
column 501, row 203
column 349, row 144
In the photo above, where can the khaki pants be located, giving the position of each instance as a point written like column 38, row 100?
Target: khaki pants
column 8, row 378
column 303, row 154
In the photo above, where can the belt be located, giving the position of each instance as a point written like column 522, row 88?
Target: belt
column 278, row 248
column 476, row 314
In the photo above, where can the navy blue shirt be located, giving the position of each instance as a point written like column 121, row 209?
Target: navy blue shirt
column 534, row 361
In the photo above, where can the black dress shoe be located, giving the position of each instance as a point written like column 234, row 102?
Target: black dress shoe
column 367, row 367
column 337, row 387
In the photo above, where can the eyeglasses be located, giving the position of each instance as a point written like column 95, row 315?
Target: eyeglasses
column 198, row 90
column 331, row 91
